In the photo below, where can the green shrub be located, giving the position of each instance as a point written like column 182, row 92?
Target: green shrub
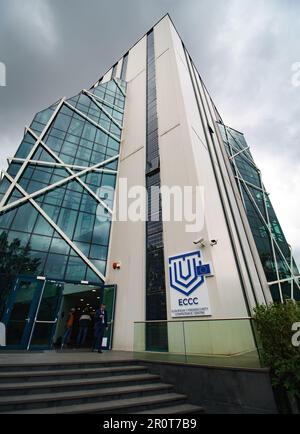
column 274, row 325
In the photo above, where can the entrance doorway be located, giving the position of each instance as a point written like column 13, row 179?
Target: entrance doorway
column 31, row 312
column 36, row 311
column 85, row 298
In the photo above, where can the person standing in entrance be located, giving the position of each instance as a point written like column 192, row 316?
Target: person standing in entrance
column 69, row 328
column 84, row 322
column 100, row 326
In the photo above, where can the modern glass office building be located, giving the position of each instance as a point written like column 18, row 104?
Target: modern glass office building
column 151, row 121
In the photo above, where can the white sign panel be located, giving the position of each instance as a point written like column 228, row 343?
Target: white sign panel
column 189, row 292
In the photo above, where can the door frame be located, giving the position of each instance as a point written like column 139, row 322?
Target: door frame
column 111, row 322
column 37, row 321
column 31, row 312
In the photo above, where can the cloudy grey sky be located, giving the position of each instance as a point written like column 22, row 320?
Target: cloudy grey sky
column 244, row 50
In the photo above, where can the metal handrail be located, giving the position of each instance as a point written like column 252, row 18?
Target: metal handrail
column 182, row 340
column 191, row 320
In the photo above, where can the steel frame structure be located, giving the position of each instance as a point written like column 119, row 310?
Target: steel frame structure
column 83, row 170
column 234, row 153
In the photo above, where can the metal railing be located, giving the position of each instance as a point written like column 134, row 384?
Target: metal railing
column 216, row 342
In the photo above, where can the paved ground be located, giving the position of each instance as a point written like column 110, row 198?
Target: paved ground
column 24, row 357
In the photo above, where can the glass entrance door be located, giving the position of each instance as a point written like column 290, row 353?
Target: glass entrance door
column 33, row 306
column 109, row 298
column 45, row 321
column 20, row 311
column 31, row 313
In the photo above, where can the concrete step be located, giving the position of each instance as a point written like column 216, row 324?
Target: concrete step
column 175, row 409
column 124, row 406
column 13, row 389
column 35, row 401
column 65, row 374
column 49, row 366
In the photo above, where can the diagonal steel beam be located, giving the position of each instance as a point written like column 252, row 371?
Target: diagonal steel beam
column 59, row 184
column 64, row 165
column 119, row 87
column 267, row 224
column 268, row 228
column 237, row 149
column 108, row 104
column 253, row 185
column 272, row 242
column 71, row 107
column 283, row 280
column 83, row 184
column 58, row 230
column 100, row 106
column 239, row 153
column 30, row 155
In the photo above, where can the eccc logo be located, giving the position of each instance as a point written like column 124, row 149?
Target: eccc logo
column 189, row 293
column 2, row 335
column 187, row 273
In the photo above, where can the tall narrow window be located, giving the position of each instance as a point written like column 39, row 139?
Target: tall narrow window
column 155, row 271
column 124, row 67
column 114, row 71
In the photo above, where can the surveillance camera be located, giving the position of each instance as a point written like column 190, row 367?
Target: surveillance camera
column 201, row 242
column 213, row 242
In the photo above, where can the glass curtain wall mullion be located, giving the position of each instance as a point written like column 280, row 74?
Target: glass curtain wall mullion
column 156, row 308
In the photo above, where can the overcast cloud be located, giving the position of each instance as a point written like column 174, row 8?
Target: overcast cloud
column 244, row 50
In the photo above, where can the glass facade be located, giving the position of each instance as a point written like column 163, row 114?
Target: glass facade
column 57, row 195
column 274, row 251
column 155, row 272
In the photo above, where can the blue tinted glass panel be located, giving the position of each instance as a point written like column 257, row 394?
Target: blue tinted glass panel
column 25, row 218
column 76, row 269
column 58, row 245
column 42, row 227
column 41, row 243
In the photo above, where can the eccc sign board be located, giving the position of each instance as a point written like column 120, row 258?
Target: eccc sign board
column 189, row 292
column 2, row 335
